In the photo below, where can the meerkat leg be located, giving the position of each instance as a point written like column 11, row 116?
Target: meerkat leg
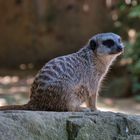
column 91, row 102
column 77, row 98
column 74, row 103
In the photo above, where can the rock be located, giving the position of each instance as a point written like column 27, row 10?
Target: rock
column 37, row 125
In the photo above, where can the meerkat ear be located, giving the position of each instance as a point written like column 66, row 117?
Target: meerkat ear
column 93, row 44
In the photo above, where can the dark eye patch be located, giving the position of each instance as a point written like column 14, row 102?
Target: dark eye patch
column 109, row 43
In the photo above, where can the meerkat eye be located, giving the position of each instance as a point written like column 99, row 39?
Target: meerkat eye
column 109, row 43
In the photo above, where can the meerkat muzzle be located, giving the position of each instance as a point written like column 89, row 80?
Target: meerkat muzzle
column 117, row 50
column 120, row 48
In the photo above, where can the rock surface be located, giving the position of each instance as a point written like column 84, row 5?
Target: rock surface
column 29, row 125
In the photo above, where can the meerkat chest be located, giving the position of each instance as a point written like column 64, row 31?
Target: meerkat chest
column 93, row 82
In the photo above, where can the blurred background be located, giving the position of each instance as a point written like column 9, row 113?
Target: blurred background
column 34, row 31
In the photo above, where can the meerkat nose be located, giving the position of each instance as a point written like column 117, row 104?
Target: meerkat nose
column 119, row 48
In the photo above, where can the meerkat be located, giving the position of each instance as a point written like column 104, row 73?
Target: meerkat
column 65, row 82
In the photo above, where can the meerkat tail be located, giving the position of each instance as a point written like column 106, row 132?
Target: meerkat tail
column 15, row 107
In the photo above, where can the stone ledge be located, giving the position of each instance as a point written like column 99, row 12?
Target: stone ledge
column 37, row 125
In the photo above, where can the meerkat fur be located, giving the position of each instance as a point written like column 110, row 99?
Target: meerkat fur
column 66, row 82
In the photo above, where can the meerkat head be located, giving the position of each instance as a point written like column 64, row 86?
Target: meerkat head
column 106, row 44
